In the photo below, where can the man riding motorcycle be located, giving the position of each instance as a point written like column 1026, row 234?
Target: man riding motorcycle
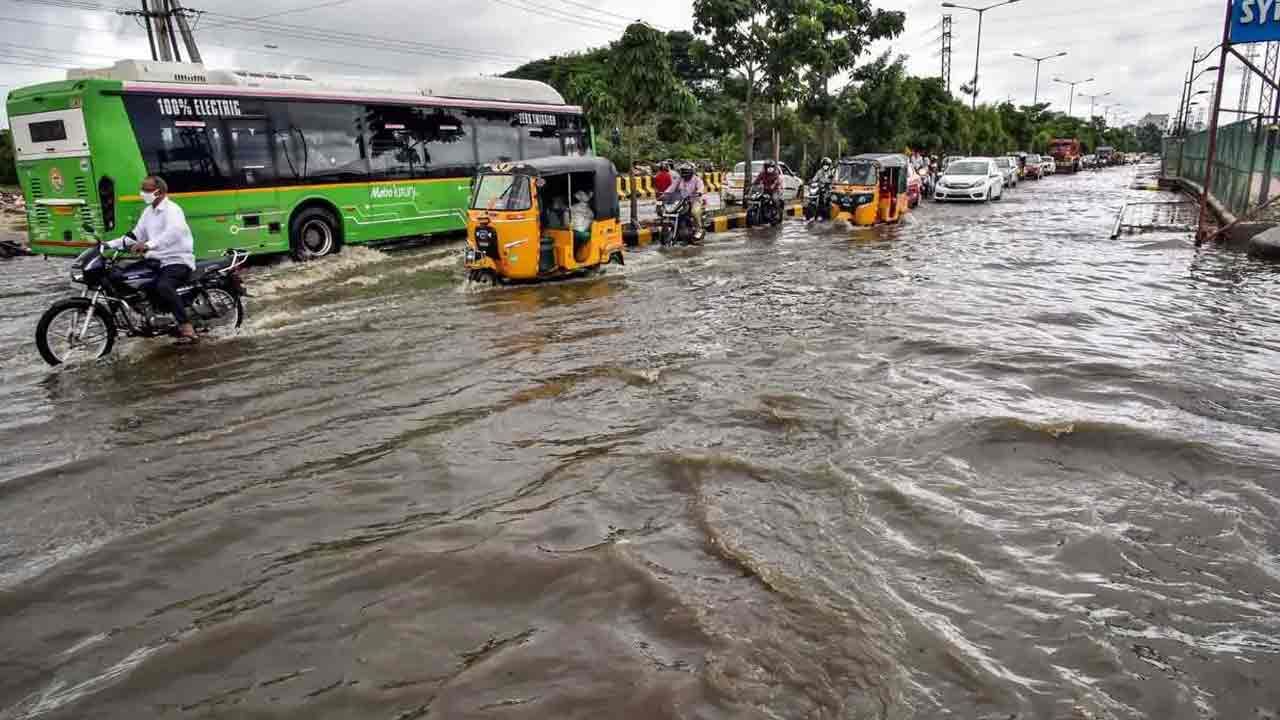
column 770, row 181
column 688, row 185
column 818, row 193
column 826, row 171
column 163, row 237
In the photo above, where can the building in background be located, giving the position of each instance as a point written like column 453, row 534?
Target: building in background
column 1160, row 120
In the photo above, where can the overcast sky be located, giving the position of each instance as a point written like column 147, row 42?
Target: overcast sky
column 1137, row 51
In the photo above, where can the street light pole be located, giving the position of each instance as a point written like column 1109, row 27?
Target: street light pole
column 1035, row 98
column 1093, row 100
column 1071, row 99
column 977, row 55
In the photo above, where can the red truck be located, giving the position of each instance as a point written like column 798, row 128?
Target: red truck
column 1066, row 154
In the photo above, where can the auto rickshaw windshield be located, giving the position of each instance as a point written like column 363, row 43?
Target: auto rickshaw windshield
column 857, row 173
column 502, row 192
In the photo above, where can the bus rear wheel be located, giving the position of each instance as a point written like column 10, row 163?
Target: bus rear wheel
column 313, row 234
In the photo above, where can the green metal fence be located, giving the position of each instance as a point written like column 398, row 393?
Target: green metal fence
column 1238, row 168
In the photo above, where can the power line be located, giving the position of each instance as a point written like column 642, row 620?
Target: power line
column 313, row 34
column 82, row 28
column 305, row 32
column 290, row 11
column 561, row 15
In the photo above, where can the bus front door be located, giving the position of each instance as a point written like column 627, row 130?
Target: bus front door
column 259, row 223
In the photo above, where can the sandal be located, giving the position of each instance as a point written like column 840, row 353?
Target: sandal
column 187, row 340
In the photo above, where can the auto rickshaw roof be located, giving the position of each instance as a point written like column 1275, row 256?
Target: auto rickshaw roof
column 558, row 165
column 885, row 159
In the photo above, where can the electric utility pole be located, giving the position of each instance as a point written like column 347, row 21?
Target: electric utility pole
column 165, row 21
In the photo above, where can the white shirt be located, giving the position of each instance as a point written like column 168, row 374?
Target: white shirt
column 582, row 216
column 163, row 229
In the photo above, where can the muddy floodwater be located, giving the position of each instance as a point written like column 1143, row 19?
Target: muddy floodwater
column 987, row 464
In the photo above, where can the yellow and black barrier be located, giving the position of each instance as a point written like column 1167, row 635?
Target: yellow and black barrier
column 715, row 224
column 644, row 187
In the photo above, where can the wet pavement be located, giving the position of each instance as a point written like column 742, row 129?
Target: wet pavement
column 987, row 464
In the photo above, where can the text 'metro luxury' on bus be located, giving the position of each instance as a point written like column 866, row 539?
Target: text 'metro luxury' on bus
column 270, row 162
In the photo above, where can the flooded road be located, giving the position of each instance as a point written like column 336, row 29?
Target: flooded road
column 989, row 464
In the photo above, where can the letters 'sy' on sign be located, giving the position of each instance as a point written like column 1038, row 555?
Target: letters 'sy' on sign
column 1255, row 21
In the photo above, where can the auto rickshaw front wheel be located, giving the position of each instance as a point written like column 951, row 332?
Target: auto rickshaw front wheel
column 484, row 277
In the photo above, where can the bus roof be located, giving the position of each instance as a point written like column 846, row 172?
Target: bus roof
column 193, row 79
column 233, row 91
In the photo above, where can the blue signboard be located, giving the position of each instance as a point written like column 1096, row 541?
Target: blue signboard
column 1255, row 21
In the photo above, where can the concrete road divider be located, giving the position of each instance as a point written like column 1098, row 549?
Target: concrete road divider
column 718, row 223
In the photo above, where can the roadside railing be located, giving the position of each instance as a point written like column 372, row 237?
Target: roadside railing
column 1245, row 173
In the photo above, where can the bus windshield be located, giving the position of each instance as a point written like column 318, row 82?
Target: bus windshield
column 859, row 173
column 502, row 192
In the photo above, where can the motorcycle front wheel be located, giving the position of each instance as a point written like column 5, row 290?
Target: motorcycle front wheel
column 74, row 330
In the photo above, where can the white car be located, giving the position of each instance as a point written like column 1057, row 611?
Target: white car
column 1008, row 166
column 976, row 178
column 1048, row 166
column 732, row 192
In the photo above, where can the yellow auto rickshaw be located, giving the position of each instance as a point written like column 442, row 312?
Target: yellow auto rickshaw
column 871, row 189
column 545, row 218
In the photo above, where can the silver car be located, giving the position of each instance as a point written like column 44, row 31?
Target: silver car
column 1008, row 166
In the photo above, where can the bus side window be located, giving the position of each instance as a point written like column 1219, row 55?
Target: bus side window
column 497, row 136
column 393, row 135
column 447, row 144
column 320, row 142
column 540, row 141
column 189, row 152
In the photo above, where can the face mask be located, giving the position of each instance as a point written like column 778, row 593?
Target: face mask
column 148, row 197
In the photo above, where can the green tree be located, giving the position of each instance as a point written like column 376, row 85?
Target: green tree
column 8, row 171
column 936, row 122
column 1150, row 139
column 876, row 105
column 841, row 32
column 642, row 81
column 736, row 41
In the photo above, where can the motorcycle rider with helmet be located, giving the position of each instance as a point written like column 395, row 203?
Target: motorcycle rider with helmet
column 818, row 192
column 688, row 185
column 770, row 181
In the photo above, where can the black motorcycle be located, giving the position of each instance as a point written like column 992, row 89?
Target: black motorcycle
column 762, row 209
column 674, row 225
column 118, row 297
column 817, row 201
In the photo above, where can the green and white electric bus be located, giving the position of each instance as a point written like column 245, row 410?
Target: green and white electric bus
column 269, row 162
